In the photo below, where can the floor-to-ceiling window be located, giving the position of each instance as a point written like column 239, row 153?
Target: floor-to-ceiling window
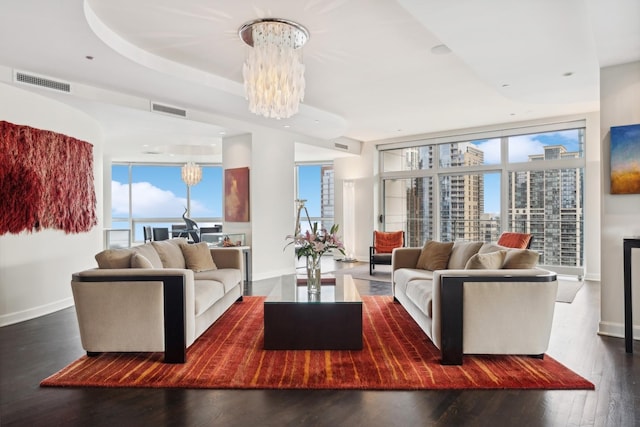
column 155, row 195
column 473, row 187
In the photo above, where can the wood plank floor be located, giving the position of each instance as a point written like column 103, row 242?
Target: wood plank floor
column 32, row 350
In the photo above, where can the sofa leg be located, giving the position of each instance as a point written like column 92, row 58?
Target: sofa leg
column 93, row 353
column 239, row 299
column 451, row 320
column 537, row 356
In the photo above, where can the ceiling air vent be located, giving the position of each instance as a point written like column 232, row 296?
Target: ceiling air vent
column 168, row 110
column 42, row 82
column 341, row 146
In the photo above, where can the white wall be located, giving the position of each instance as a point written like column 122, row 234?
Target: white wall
column 273, row 203
column 36, row 268
column 619, row 105
column 361, row 171
column 270, row 158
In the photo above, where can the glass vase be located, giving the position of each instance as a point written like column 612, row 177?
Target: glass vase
column 313, row 275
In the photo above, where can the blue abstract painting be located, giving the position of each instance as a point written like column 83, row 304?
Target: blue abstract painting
column 625, row 159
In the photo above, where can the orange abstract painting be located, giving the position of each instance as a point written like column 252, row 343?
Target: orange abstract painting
column 236, row 195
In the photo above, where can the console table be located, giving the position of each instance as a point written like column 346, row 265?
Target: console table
column 629, row 244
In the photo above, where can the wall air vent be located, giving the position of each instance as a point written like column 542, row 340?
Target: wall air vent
column 341, row 146
column 168, row 110
column 40, row 81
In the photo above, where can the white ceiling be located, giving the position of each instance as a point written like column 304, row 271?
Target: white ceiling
column 370, row 70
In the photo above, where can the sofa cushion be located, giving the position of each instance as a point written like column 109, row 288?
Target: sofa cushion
column 521, row 258
column 488, row 261
column 402, row 276
column 170, row 253
column 461, row 253
column 434, row 255
column 207, row 292
column 197, row 257
column 139, row 261
column 229, row 277
column 420, row 292
column 114, row 258
column 149, row 252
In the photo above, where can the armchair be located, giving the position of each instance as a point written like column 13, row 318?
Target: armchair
column 384, row 242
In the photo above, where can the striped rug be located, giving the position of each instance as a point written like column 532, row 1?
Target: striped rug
column 397, row 355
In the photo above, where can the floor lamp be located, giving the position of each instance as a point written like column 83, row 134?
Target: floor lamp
column 349, row 219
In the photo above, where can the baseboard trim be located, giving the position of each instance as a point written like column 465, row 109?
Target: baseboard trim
column 32, row 313
column 616, row 330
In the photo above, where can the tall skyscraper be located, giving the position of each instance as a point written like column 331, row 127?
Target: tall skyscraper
column 548, row 204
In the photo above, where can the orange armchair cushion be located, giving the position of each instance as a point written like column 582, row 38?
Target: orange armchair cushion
column 514, row 240
column 384, row 242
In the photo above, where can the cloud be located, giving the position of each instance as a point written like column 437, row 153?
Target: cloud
column 491, row 149
column 520, row 147
column 150, row 201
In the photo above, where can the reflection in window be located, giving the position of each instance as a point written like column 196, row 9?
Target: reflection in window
column 315, row 184
column 406, row 159
column 409, row 207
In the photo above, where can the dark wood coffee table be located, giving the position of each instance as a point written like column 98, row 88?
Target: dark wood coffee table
column 294, row 320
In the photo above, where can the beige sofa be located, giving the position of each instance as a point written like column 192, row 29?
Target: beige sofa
column 503, row 305
column 160, row 296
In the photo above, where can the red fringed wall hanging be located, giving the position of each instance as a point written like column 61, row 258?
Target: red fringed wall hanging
column 46, row 181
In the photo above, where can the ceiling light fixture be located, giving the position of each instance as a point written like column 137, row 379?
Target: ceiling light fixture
column 191, row 173
column 273, row 71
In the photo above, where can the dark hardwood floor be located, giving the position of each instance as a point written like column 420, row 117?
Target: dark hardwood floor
column 32, row 350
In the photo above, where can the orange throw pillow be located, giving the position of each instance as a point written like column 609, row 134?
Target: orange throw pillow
column 514, row 240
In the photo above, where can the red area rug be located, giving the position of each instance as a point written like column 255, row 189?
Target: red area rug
column 397, row 355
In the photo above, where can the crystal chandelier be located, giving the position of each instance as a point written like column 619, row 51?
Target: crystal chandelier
column 273, row 71
column 191, row 173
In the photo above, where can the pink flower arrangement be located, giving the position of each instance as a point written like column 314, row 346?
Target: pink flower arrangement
column 314, row 243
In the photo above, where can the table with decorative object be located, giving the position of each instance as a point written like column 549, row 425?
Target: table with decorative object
column 294, row 319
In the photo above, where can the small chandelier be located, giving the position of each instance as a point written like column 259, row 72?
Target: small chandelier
column 191, row 173
column 273, row 71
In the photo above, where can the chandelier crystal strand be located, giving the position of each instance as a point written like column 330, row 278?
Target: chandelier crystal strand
column 273, row 71
column 191, row 173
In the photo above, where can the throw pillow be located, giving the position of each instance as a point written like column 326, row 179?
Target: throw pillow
column 198, row 257
column 434, row 255
column 488, row 261
column 521, row 258
column 461, row 253
column 139, row 261
column 170, row 253
column 491, row 247
column 113, row 258
column 148, row 251
column 514, row 240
